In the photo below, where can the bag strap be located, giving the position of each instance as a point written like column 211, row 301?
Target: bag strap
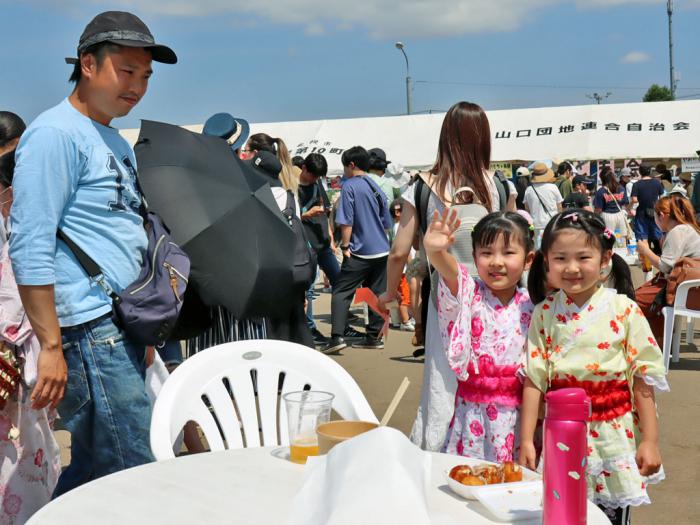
column 540, row 199
column 89, row 265
column 380, row 200
column 421, row 200
column 307, row 205
column 613, row 196
column 290, row 207
column 315, row 194
column 503, row 189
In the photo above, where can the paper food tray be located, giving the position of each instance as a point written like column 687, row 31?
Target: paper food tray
column 512, row 501
column 530, row 479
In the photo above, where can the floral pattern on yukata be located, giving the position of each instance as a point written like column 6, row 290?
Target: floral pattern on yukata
column 30, row 461
column 483, row 337
column 608, row 338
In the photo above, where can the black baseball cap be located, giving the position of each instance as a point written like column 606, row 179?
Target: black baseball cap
column 580, row 179
column 377, row 159
column 124, row 29
column 269, row 165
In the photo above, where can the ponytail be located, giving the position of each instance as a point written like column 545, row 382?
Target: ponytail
column 537, row 279
column 288, row 176
column 622, row 277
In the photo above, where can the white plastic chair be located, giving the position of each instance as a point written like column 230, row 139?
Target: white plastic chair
column 215, row 388
column 672, row 329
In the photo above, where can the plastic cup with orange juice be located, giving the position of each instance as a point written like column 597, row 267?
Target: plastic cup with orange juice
column 306, row 410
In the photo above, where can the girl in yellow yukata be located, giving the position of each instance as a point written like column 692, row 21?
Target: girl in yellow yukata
column 587, row 336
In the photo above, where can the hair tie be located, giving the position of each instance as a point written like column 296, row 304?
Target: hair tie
column 607, row 233
column 573, row 216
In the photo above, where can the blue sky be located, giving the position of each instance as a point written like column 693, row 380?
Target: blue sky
column 277, row 60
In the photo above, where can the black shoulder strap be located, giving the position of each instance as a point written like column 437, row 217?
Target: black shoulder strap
column 315, row 194
column 544, row 207
column 88, row 264
column 380, row 198
column 290, row 207
column 503, row 189
column 422, row 196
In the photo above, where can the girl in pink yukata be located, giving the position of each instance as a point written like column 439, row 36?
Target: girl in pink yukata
column 30, row 461
column 484, row 323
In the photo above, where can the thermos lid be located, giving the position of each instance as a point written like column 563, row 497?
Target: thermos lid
column 568, row 404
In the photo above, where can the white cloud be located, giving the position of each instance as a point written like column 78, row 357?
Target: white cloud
column 381, row 18
column 635, row 57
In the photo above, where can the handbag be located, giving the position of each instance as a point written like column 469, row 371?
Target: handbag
column 685, row 269
column 148, row 308
column 9, row 374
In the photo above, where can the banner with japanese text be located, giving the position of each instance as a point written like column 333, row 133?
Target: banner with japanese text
column 593, row 132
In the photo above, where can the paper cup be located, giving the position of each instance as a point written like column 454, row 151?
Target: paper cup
column 330, row 434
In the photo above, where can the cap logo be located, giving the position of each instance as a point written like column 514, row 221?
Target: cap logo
column 107, row 36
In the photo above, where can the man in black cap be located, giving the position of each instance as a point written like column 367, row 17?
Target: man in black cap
column 376, row 171
column 77, row 174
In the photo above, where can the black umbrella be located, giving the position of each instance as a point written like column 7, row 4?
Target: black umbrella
column 223, row 214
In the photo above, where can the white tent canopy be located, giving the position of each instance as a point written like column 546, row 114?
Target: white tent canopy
column 591, row 132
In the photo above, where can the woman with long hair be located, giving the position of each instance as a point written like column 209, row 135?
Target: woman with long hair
column 289, row 176
column 464, row 155
column 675, row 216
column 611, row 201
column 284, row 183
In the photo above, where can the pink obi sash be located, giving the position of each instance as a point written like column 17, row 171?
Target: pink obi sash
column 497, row 384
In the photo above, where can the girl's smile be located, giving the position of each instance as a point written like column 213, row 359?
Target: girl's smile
column 575, row 265
column 501, row 266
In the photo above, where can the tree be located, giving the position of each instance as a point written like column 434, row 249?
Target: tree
column 657, row 93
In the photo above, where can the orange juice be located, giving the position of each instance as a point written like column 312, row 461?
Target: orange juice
column 301, row 450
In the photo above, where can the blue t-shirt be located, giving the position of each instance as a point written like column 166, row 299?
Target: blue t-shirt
column 647, row 192
column 604, row 200
column 360, row 208
column 76, row 175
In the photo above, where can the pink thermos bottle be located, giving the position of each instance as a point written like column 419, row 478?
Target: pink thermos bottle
column 565, row 450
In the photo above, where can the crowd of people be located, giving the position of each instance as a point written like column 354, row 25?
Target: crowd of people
column 503, row 322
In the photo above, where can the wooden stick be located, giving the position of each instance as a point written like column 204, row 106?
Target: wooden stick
column 395, row 402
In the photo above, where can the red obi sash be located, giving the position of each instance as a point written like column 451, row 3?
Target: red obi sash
column 493, row 384
column 609, row 399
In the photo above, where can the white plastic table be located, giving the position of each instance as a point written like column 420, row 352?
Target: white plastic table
column 245, row 486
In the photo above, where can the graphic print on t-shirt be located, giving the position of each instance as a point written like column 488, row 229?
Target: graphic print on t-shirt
column 125, row 193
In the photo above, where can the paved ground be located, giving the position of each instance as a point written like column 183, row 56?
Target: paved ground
column 379, row 373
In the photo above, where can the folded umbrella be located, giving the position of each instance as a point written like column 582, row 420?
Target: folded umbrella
column 223, row 214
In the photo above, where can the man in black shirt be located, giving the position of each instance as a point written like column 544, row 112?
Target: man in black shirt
column 578, row 198
column 646, row 192
column 315, row 208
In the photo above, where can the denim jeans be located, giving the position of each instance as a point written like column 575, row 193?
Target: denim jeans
column 105, row 407
column 329, row 264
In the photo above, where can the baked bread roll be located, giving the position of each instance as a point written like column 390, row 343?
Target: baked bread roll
column 472, row 480
column 458, row 472
column 512, row 472
column 491, row 474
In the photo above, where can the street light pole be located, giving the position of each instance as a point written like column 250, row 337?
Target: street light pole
column 409, row 82
column 599, row 98
column 669, row 10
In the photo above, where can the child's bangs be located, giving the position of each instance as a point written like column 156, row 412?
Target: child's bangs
column 489, row 233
